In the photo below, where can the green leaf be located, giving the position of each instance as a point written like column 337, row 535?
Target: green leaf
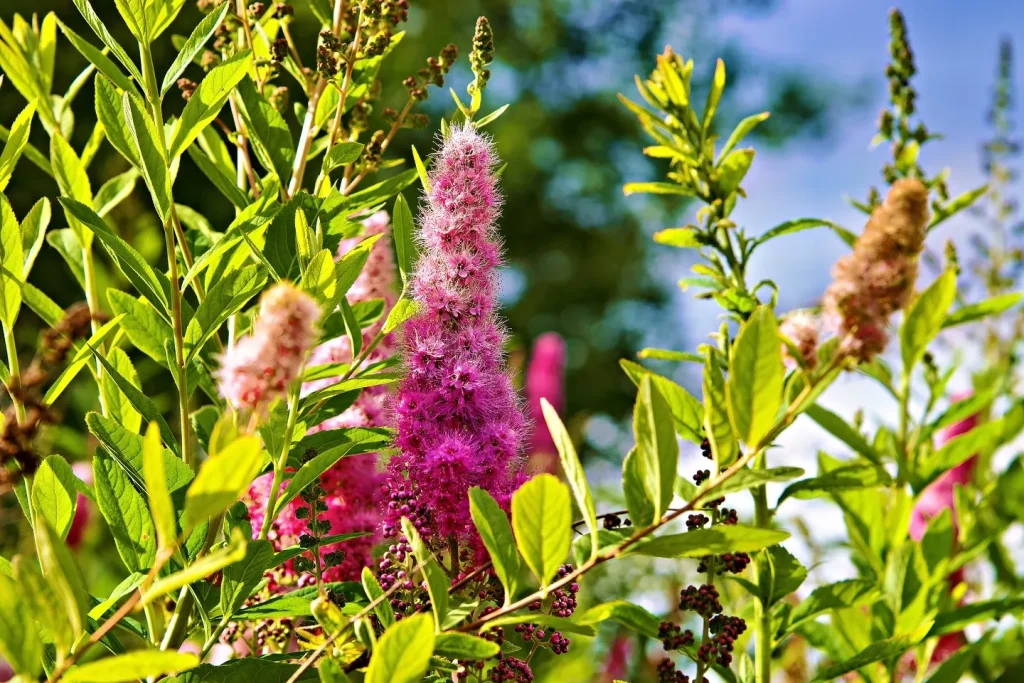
column 756, row 376
column 983, row 309
column 224, row 299
column 134, row 15
column 110, row 113
column 20, row 644
column 115, row 191
column 295, row 603
column 655, row 188
column 385, row 613
column 148, row 145
column 341, row 154
column 69, row 172
column 126, row 513
column 143, row 326
column 925, row 318
column 686, row 410
column 629, row 615
column 65, row 243
column 95, row 57
column 62, row 576
column 126, row 448
column 130, row 262
column 724, row 446
column 12, row 263
column 193, row 46
column 158, row 488
column 222, row 479
column 268, row 131
column 320, row 280
column 712, row 541
column 541, row 519
column 839, row 595
column 745, row 126
column 224, row 183
column 140, row 401
column 403, row 652
column 33, row 230
column 437, row 581
column 103, row 34
column 733, row 169
column 792, row 226
column 79, row 361
column 638, row 503
column 840, row 479
column 785, row 571
column 572, row 467
column 132, row 666
column 117, row 404
column 215, row 561
column 838, row 427
column 242, row 578
column 421, row 170
column 752, row 478
column 352, row 329
column 402, row 229
column 957, row 205
column 463, row 646
column 656, row 448
column 54, row 494
column 683, row 238
column 496, row 533
column 16, row 141
column 404, row 309
column 714, row 96
column 972, row 613
column 879, row 651
column 311, row 471
column 208, row 99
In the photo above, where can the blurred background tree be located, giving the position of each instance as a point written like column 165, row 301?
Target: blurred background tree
column 578, row 261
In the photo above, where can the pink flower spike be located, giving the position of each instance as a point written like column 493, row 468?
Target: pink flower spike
column 545, row 378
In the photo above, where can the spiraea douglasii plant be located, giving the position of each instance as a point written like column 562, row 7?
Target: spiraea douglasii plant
column 349, row 487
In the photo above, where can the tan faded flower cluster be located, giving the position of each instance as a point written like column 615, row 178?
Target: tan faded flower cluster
column 877, row 279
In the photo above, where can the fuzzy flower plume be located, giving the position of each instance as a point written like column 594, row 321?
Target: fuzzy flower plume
column 260, row 366
column 459, row 421
column 801, row 328
column 352, row 484
column 545, row 379
column 877, row 279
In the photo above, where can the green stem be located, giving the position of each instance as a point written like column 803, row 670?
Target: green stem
column 903, row 454
column 92, row 300
column 153, row 98
column 762, row 620
column 15, row 381
column 282, row 459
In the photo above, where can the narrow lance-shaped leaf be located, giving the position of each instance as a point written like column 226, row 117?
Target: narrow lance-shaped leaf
column 756, row 375
column 16, row 141
column 572, row 467
column 496, row 533
column 103, row 64
column 405, row 248
column 437, row 582
column 656, row 447
column 724, row 448
column 193, row 46
column 148, row 147
column 157, row 488
column 132, row 666
column 20, row 643
column 222, row 479
column 233, row 552
column 208, row 99
column 54, row 494
column 12, row 263
column 91, row 18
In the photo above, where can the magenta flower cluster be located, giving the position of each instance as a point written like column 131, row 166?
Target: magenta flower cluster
column 459, row 420
column 545, row 378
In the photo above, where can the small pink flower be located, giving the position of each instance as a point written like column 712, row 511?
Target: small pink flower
column 83, row 508
column 259, row 367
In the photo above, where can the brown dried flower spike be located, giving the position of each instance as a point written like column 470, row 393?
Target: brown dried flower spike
column 876, row 280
